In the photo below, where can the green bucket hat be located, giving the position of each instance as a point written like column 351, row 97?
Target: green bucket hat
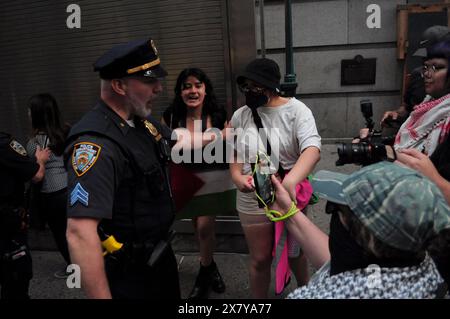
column 401, row 207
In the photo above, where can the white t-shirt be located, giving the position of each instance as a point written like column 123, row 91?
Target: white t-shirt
column 295, row 130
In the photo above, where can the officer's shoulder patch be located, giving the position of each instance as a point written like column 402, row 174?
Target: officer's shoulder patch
column 84, row 156
column 17, row 147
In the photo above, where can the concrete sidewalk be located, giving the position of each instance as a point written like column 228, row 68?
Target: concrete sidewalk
column 233, row 266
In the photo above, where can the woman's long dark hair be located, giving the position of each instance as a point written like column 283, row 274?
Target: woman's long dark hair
column 46, row 118
column 176, row 113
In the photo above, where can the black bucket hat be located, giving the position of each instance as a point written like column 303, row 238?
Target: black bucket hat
column 262, row 71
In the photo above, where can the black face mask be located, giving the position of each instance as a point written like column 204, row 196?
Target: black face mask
column 254, row 100
column 346, row 253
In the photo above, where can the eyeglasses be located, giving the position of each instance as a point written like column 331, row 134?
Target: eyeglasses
column 431, row 69
column 245, row 88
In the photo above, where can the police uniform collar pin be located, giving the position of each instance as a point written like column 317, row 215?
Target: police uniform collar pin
column 18, row 148
column 152, row 129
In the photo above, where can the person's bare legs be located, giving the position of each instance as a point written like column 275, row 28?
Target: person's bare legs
column 259, row 239
column 208, row 275
column 206, row 237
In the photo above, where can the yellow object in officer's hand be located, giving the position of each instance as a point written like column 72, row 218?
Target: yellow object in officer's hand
column 110, row 245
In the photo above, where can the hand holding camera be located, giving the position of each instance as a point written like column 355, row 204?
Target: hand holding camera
column 370, row 148
column 392, row 119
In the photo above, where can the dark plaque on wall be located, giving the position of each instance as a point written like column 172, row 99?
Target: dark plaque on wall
column 358, row 71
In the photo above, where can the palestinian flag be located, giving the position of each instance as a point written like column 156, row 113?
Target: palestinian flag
column 215, row 196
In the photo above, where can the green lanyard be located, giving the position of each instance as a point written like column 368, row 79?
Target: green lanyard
column 276, row 216
column 272, row 214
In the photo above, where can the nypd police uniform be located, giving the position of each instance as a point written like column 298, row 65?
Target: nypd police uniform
column 117, row 173
column 15, row 261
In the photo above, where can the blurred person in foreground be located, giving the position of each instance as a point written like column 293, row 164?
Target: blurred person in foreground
column 384, row 218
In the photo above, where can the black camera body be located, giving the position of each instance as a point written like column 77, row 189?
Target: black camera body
column 369, row 150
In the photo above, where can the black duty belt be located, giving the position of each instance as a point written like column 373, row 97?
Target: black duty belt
column 146, row 252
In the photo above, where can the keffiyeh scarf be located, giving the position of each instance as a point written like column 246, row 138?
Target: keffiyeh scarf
column 426, row 127
column 415, row 282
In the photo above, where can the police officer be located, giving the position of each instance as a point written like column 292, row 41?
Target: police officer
column 16, row 168
column 118, row 185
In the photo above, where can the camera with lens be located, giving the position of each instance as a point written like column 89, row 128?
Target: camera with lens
column 372, row 149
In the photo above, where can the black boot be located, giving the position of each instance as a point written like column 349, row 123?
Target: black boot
column 201, row 286
column 217, row 283
column 208, row 277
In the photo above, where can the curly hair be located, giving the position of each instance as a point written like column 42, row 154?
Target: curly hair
column 176, row 113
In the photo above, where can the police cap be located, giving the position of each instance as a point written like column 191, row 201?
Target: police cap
column 135, row 58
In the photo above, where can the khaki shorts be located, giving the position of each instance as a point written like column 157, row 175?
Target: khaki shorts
column 251, row 215
column 249, row 212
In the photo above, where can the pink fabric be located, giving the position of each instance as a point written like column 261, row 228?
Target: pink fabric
column 303, row 193
column 282, row 270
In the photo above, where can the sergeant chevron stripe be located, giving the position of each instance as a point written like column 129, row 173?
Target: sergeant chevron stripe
column 79, row 195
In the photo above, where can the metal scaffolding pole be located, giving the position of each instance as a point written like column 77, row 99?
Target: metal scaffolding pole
column 290, row 85
column 262, row 33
